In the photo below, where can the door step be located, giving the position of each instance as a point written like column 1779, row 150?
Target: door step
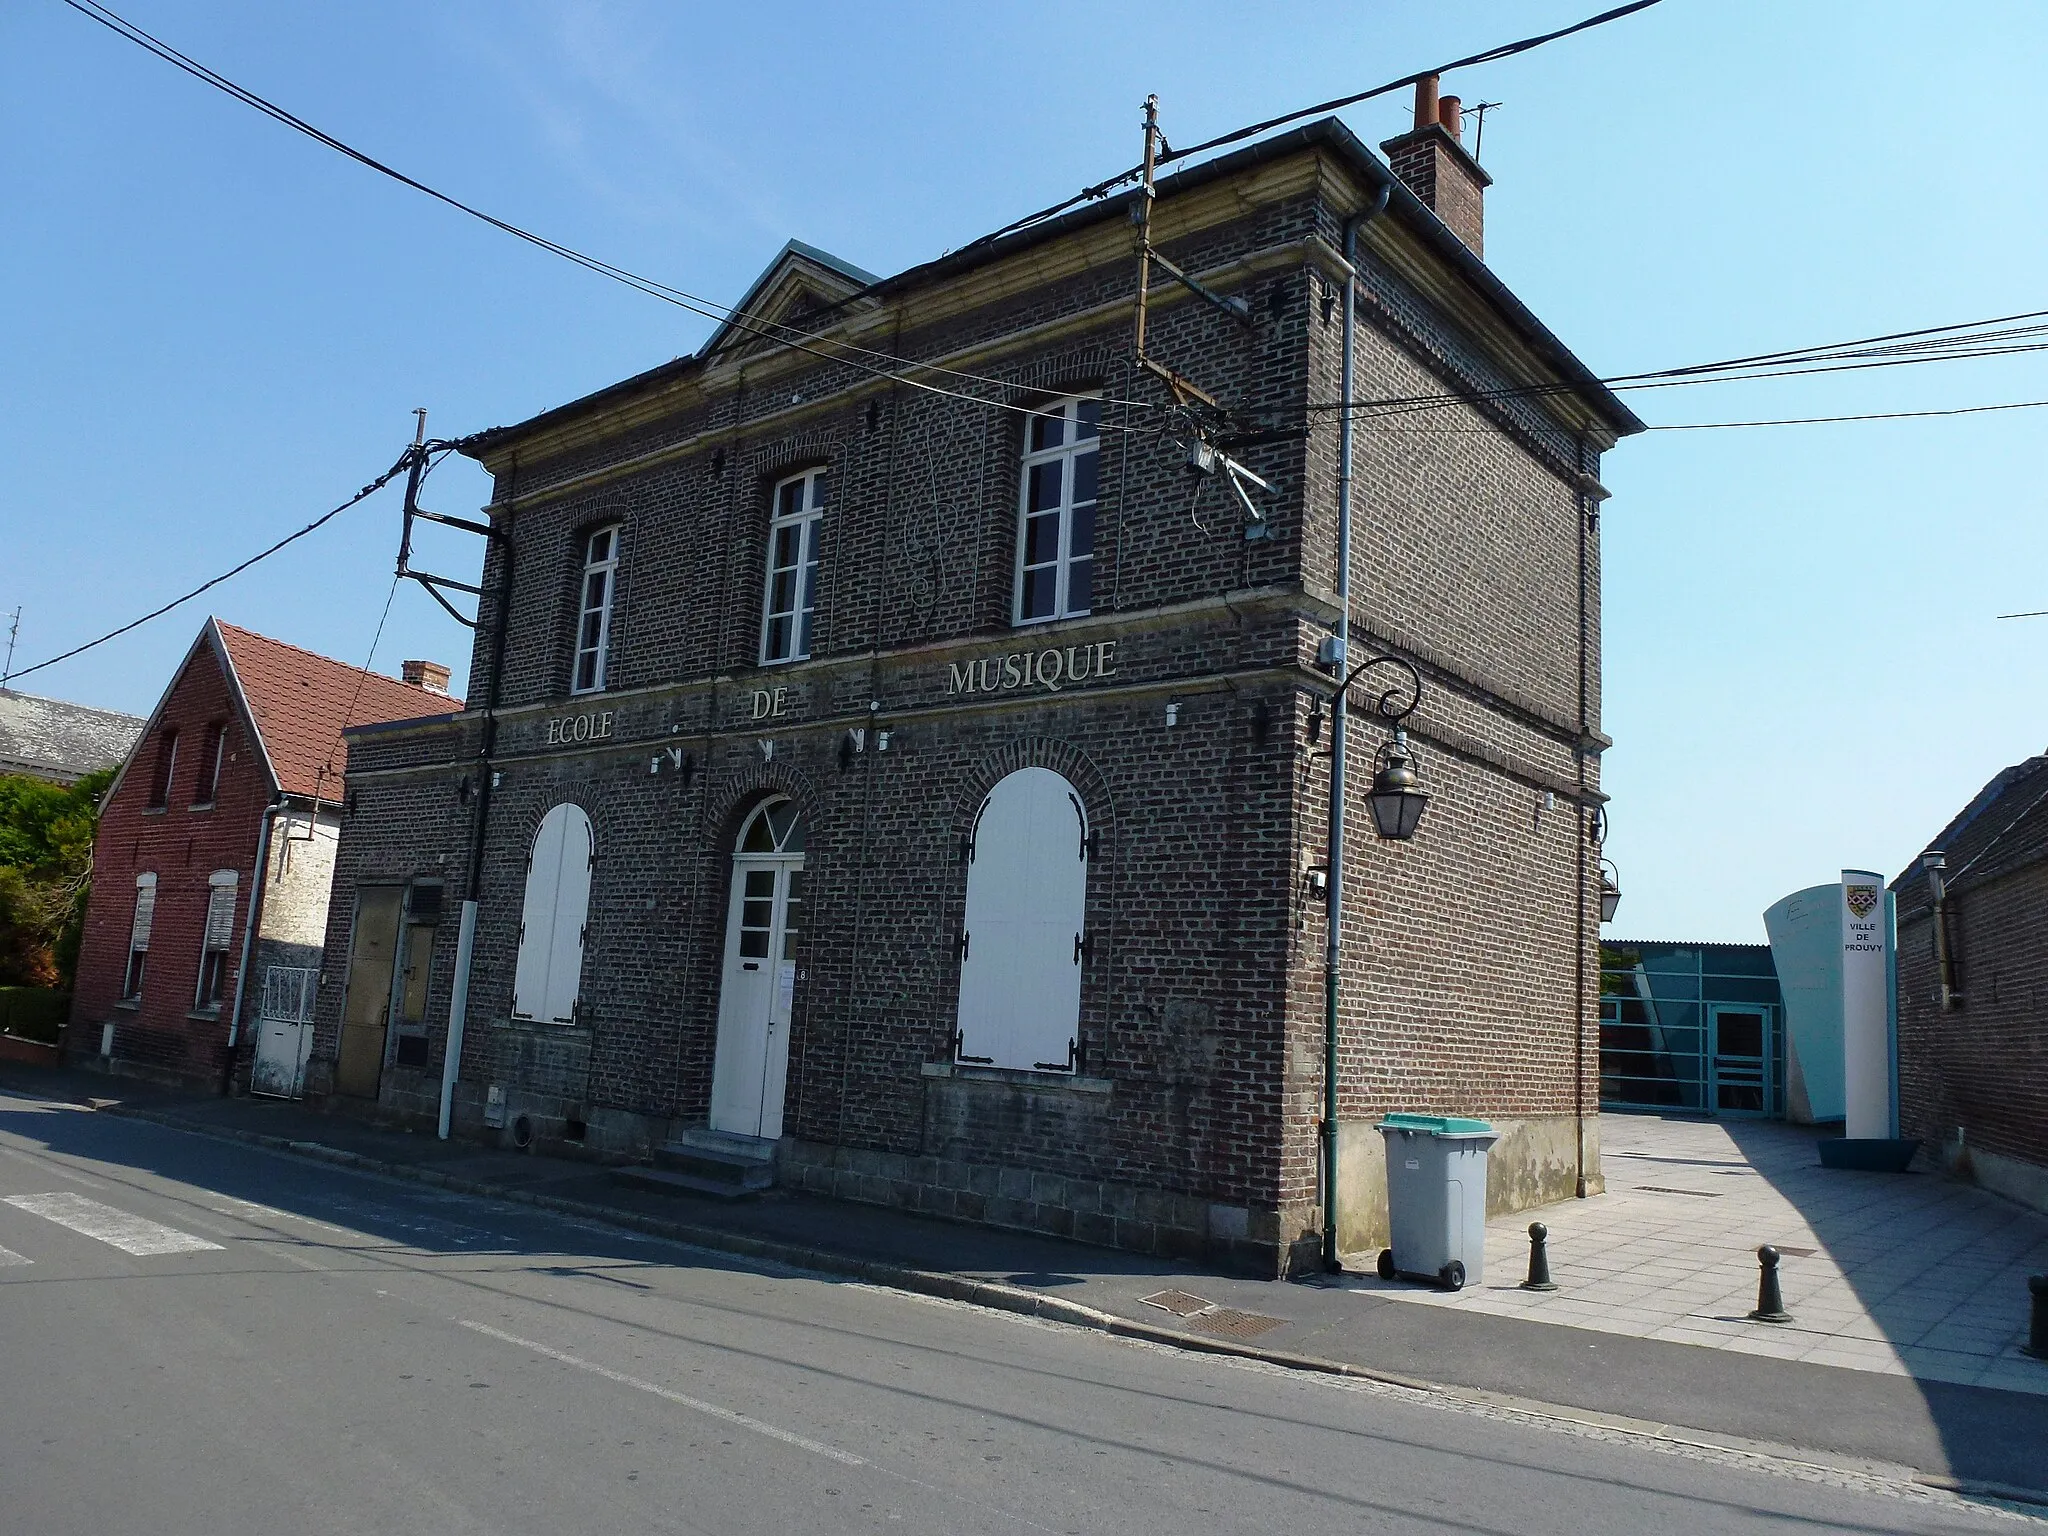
column 708, row 1162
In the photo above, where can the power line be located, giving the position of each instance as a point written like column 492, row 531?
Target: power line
column 1927, row 344
column 1238, row 135
column 404, row 460
column 654, row 288
column 1808, row 421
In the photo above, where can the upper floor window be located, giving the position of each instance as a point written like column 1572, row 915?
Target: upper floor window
column 1056, row 513
column 166, row 767
column 210, row 758
column 792, row 592
column 594, row 612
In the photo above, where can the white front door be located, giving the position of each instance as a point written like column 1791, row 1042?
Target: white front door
column 757, row 995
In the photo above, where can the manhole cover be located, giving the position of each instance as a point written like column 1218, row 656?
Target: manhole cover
column 1179, row 1303
column 1697, row 1194
column 1233, row 1324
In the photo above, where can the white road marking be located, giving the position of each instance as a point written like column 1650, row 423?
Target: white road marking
column 9, row 1258
column 716, row 1412
column 118, row 1229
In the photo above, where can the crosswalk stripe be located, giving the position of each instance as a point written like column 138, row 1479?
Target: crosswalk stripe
column 9, row 1258
column 118, row 1229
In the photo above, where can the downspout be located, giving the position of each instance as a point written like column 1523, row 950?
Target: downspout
column 465, row 937
column 1586, row 514
column 1333, row 941
column 250, row 921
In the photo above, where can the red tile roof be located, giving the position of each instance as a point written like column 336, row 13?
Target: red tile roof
column 302, row 702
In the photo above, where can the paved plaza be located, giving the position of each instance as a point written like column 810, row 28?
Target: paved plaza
column 1910, row 1274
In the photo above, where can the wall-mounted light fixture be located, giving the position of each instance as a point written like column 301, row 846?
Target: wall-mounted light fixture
column 1173, row 711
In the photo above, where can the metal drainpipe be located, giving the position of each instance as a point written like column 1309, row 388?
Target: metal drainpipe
column 465, row 938
column 1333, row 945
column 249, row 922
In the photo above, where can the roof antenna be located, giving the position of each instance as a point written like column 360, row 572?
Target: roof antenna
column 1479, row 109
column 13, row 630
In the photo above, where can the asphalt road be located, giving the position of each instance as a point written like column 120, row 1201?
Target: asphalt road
column 200, row 1337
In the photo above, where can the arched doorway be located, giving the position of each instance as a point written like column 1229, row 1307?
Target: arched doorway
column 758, row 989
column 1026, row 926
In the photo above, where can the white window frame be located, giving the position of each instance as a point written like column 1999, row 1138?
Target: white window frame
column 1070, row 447
column 808, row 519
column 216, row 939
column 134, row 978
column 599, row 649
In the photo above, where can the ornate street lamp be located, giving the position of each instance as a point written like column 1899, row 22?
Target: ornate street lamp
column 1610, row 890
column 1397, row 801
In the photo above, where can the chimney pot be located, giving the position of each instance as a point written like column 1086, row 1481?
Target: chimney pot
column 1425, row 101
column 1449, row 114
column 430, row 675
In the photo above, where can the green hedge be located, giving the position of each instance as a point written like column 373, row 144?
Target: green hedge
column 33, row 1013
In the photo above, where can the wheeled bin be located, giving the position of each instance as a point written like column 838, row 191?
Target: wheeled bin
column 1436, row 1198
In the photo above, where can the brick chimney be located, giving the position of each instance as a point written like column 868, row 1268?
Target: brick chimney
column 430, row 675
column 1432, row 162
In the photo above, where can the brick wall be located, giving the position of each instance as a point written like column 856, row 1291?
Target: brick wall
column 1974, row 1079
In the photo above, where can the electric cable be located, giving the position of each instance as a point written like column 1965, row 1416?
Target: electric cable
column 404, row 460
column 706, row 308
column 1238, row 135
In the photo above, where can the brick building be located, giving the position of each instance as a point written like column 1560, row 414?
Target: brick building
column 239, row 766
column 925, row 776
column 1973, row 989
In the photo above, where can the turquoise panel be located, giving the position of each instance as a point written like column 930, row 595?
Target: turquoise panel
column 1805, row 930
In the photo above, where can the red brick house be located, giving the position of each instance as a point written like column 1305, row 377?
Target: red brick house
column 1973, row 1037
column 239, row 768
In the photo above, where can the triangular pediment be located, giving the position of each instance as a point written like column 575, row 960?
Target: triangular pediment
column 794, row 292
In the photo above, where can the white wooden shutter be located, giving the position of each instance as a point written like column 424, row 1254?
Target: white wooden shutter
column 1020, row 973
column 550, row 969
column 537, row 919
column 571, row 915
column 145, row 911
column 220, row 909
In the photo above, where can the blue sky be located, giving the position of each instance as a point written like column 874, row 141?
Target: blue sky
column 216, row 330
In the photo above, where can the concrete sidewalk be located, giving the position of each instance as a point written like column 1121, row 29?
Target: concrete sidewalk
column 1905, row 1274
column 1972, row 1436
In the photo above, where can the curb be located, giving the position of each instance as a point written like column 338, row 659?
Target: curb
column 1015, row 1299
column 940, row 1283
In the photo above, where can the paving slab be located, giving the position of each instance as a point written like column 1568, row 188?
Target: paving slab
column 1897, row 1274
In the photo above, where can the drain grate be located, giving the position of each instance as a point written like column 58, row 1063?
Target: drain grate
column 1179, row 1303
column 1697, row 1194
column 1233, row 1324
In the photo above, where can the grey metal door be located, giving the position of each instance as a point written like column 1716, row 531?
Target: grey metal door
column 1740, row 1041
column 284, row 1031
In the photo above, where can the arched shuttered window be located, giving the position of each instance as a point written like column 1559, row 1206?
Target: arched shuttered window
column 550, row 971
column 1027, row 892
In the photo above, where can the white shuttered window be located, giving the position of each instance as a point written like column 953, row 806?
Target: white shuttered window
column 138, row 935
column 213, row 949
column 551, row 929
column 1024, row 938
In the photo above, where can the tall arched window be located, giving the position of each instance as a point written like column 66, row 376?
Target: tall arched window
column 1025, row 932
column 551, row 927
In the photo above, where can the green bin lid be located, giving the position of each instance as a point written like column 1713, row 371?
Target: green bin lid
column 1437, row 1125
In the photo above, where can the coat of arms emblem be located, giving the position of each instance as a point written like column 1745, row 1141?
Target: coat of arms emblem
column 1862, row 898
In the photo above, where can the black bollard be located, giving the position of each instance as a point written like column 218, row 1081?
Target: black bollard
column 2037, row 1330
column 1539, row 1259
column 1770, row 1299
